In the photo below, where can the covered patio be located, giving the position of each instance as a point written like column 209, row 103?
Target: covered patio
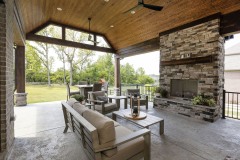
column 40, row 136
column 190, row 39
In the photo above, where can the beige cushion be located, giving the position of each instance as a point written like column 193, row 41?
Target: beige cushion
column 71, row 101
column 115, row 123
column 107, row 106
column 96, row 94
column 105, row 127
column 79, row 108
column 126, row 150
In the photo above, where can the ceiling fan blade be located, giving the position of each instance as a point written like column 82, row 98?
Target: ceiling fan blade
column 153, row 7
column 137, row 7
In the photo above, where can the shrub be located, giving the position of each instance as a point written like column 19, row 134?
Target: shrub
column 78, row 97
column 204, row 100
column 164, row 93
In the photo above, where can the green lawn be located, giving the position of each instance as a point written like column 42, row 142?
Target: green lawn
column 43, row 93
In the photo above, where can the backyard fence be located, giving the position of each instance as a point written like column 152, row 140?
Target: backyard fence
column 144, row 89
column 231, row 101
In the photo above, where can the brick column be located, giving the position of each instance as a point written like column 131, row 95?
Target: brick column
column 6, row 78
column 20, row 96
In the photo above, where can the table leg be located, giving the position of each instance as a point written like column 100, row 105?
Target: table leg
column 114, row 117
column 125, row 103
column 118, row 103
column 110, row 100
column 161, row 127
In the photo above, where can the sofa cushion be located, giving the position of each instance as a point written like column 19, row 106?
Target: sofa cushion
column 79, row 108
column 126, row 150
column 96, row 94
column 105, row 127
column 71, row 101
column 107, row 106
column 102, row 98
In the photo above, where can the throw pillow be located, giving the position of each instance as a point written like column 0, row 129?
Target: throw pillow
column 102, row 98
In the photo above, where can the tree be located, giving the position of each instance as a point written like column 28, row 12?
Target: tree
column 34, row 69
column 128, row 74
column 43, row 50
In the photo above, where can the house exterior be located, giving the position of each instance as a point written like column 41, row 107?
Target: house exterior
column 232, row 69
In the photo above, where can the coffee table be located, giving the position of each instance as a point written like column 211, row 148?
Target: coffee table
column 145, row 123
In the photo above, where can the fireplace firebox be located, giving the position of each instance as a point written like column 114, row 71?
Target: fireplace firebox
column 185, row 88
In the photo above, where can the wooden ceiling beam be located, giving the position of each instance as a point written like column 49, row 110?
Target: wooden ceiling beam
column 64, row 27
column 230, row 24
column 140, row 48
column 62, row 42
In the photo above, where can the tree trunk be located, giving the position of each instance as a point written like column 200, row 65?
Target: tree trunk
column 71, row 73
column 48, row 71
column 64, row 70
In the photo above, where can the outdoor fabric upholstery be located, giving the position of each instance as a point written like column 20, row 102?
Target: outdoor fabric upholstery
column 79, row 108
column 97, row 87
column 71, row 101
column 107, row 106
column 96, row 94
column 105, row 127
column 126, row 150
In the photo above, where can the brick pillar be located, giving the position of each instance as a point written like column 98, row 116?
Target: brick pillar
column 20, row 96
column 6, row 78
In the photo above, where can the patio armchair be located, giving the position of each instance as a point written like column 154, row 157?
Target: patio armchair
column 82, row 82
column 101, row 103
column 69, row 93
column 143, row 100
column 105, row 87
column 97, row 87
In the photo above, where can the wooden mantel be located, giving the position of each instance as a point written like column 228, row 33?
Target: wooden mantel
column 194, row 60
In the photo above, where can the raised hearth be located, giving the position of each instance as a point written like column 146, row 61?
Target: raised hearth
column 186, row 108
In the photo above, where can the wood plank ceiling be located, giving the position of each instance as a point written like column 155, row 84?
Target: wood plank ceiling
column 128, row 29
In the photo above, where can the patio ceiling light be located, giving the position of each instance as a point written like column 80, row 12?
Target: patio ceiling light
column 59, row 9
column 106, row 0
column 112, row 26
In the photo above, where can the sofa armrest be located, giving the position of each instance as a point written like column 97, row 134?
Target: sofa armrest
column 95, row 101
column 143, row 132
column 132, row 136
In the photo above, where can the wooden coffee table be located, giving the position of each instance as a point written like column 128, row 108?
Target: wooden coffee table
column 145, row 123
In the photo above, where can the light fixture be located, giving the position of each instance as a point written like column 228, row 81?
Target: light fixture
column 112, row 26
column 133, row 12
column 59, row 9
column 106, row 0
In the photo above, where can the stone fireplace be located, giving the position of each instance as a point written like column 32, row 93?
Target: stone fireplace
column 192, row 62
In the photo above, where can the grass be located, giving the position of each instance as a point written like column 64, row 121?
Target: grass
column 43, row 93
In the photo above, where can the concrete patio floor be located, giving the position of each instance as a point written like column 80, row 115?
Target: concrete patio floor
column 39, row 127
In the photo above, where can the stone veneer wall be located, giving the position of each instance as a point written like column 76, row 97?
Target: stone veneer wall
column 6, row 77
column 200, row 40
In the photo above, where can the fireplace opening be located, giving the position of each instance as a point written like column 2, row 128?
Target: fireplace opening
column 185, row 88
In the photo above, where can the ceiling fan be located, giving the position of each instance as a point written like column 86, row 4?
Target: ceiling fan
column 142, row 4
column 90, row 37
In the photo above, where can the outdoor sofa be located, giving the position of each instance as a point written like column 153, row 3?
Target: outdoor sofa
column 102, row 138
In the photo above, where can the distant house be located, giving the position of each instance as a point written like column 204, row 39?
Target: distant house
column 232, row 69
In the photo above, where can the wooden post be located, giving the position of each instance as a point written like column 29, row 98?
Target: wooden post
column 117, row 74
column 20, row 69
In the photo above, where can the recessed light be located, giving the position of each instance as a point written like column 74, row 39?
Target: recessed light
column 112, row 26
column 106, row 0
column 133, row 12
column 59, row 9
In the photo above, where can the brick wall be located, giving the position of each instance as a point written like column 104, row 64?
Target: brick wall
column 198, row 41
column 6, row 76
